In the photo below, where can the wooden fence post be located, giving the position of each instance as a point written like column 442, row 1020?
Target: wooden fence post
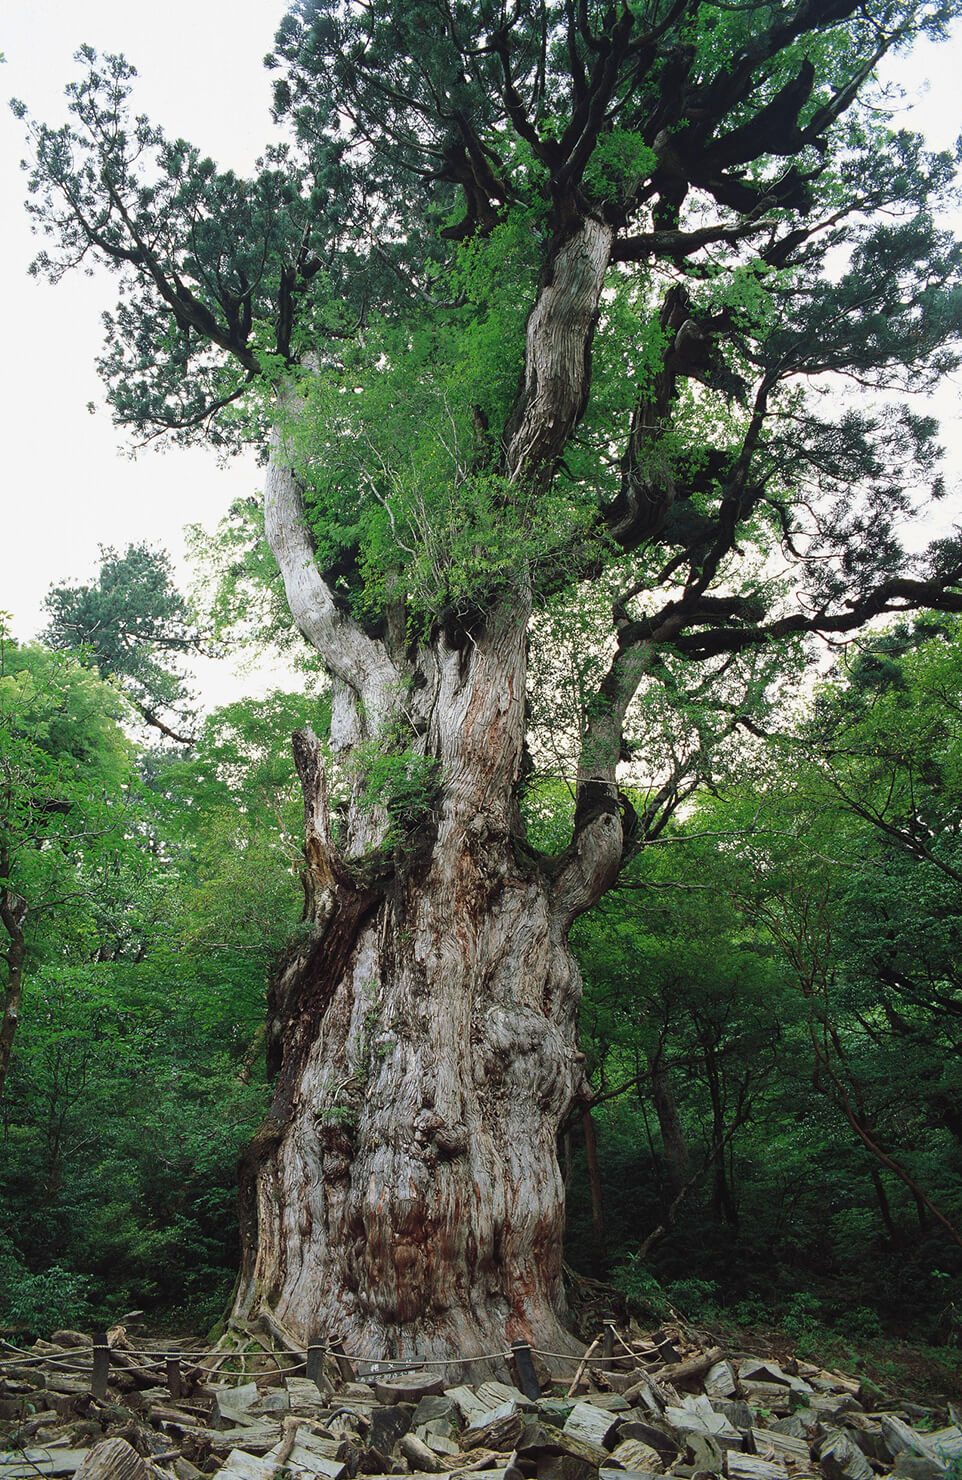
column 174, row 1380
column 524, row 1369
column 315, row 1360
column 336, row 1347
column 609, row 1344
column 98, row 1381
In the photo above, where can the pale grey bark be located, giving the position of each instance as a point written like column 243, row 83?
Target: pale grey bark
column 351, row 656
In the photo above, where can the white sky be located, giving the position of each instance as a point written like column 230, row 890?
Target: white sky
column 66, row 489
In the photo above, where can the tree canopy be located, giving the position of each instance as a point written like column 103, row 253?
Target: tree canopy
column 135, row 627
column 770, row 241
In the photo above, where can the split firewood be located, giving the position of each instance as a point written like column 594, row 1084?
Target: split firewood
column 113, row 1459
column 696, row 1366
column 418, row 1455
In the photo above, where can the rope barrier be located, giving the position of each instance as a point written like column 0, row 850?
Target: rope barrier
column 383, row 1367
column 593, row 1361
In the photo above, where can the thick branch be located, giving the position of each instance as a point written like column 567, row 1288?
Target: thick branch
column 678, row 244
column 359, row 661
column 557, row 353
column 898, row 594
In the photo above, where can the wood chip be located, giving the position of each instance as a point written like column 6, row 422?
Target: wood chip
column 769, row 1444
column 114, row 1459
column 592, row 1424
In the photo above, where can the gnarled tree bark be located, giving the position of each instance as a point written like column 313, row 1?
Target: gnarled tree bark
column 404, row 1189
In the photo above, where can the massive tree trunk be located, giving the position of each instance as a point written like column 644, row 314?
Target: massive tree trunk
column 404, row 1190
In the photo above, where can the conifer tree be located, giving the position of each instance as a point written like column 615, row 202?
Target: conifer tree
column 572, row 308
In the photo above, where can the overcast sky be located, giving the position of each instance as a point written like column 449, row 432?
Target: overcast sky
column 66, row 488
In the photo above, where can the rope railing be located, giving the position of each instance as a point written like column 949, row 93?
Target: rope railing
column 288, row 1361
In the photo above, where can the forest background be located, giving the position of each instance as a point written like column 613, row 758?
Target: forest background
column 775, row 1057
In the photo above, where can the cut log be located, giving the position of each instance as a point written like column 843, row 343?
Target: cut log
column 58, row 1382
column 697, row 1416
column 231, row 1406
column 440, row 1444
column 646, row 1433
column 114, row 1459
column 683, row 1373
column 242, row 1466
column 774, row 1396
column 720, row 1381
column 273, row 1400
column 915, row 1467
column 258, row 1440
column 898, row 1436
column 946, row 1444
column 391, row 1422
column 540, row 1438
column 418, row 1455
column 304, row 1463
column 593, row 1424
column 304, row 1393
column 841, row 1459
column 609, row 1402
column 633, row 1455
column 564, row 1467
column 611, row 1474
column 467, row 1402
column 750, row 1467
column 500, row 1432
column 496, row 1393
column 407, row 1387
column 770, row 1444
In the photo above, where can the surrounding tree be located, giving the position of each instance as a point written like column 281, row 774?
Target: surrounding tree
column 134, row 625
column 801, row 916
column 574, row 310
column 64, row 769
column 137, row 1073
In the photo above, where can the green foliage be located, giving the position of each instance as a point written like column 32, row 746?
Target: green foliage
column 808, row 908
column 785, row 946
column 134, row 627
column 239, row 589
column 404, row 784
column 619, row 161
column 124, row 1121
column 49, row 1299
column 368, row 289
column 156, row 905
column 65, row 771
